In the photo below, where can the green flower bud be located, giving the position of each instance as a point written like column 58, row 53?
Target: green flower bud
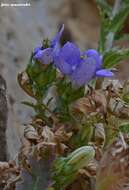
column 66, row 169
column 81, row 157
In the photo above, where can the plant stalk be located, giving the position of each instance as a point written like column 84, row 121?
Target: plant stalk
column 110, row 36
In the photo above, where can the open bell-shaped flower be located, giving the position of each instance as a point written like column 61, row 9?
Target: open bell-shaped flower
column 68, row 58
column 89, row 68
column 80, row 67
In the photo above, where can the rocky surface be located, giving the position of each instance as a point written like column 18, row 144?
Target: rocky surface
column 3, row 119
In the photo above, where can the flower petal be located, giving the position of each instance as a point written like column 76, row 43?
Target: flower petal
column 94, row 54
column 45, row 56
column 84, row 72
column 67, row 59
column 62, row 65
column 70, row 53
column 91, row 52
column 56, row 39
column 104, row 73
column 38, row 48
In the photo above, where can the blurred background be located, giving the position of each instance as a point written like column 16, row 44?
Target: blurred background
column 23, row 28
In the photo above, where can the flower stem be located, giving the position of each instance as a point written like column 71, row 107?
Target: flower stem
column 110, row 36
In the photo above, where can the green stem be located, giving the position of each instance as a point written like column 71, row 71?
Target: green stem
column 53, row 116
column 116, row 8
column 46, row 108
column 110, row 36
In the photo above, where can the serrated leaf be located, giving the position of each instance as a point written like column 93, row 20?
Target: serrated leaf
column 114, row 56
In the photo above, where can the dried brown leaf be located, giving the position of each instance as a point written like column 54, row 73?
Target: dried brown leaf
column 23, row 81
column 62, row 135
column 47, row 134
column 114, row 84
column 83, row 105
column 8, row 171
column 94, row 102
column 25, row 148
column 118, row 108
column 30, row 133
column 100, row 101
column 99, row 134
column 113, row 170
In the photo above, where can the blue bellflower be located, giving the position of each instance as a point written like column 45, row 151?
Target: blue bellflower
column 68, row 58
column 46, row 55
column 80, row 67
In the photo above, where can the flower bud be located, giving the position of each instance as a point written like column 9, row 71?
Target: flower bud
column 81, row 157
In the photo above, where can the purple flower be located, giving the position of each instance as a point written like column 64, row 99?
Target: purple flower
column 46, row 55
column 80, row 67
column 37, row 49
column 68, row 58
column 93, row 53
column 84, row 72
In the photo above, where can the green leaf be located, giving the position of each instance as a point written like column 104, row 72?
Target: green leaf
column 105, row 6
column 65, row 169
column 124, row 127
column 119, row 19
column 125, row 2
column 41, row 77
column 39, row 73
column 30, row 104
column 122, row 37
column 34, row 68
column 114, row 56
column 111, row 24
column 126, row 97
column 66, row 95
column 46, row 77
column 105, row 23
column 84, row 135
